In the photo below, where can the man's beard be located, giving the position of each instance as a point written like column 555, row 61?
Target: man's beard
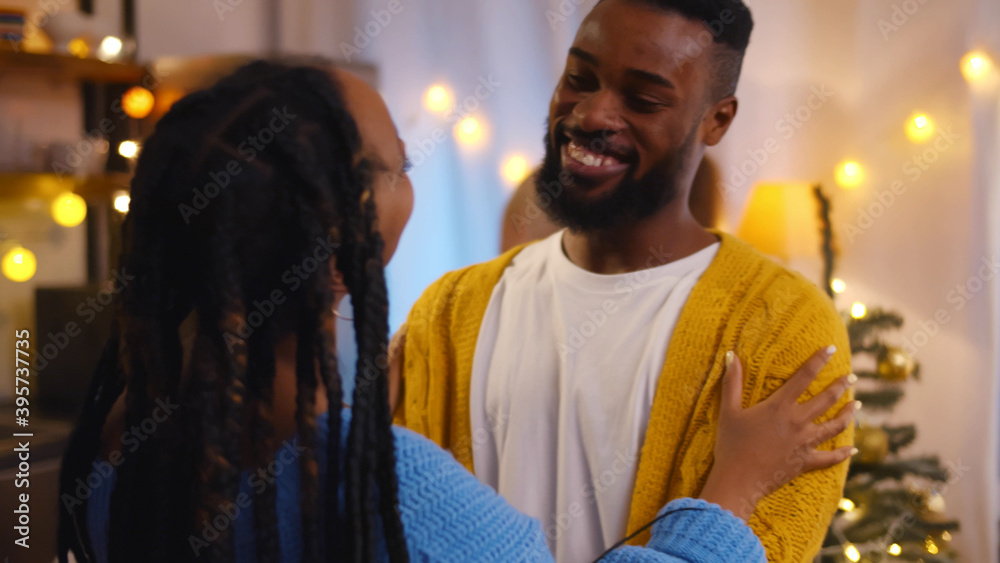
column 633, row 199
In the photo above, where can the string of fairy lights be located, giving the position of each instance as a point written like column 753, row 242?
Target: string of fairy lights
column 470, row 130
column 979, row 70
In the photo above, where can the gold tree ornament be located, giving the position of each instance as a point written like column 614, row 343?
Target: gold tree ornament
column 872, row 444
column 894, row 364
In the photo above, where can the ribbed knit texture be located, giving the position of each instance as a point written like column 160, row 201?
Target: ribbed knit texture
column 449, row 516
column 774, row 320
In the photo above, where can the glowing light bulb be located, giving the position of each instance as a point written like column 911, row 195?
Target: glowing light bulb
column 976, row 66
column 920, row 128
column 110, row 48
column 932, row 547
column 846, row 505
column 137, row 102
column 128, row 149
column 515, row 170
column 19, row 264
column 838, row 285
column 852, row 553
column 945, row 535
column 858, row 310
column 122, row 201
column 78, row 48
column 69, row 209
column 438, row 99
column 850, row 175
column 894, row 549
column 469, row 131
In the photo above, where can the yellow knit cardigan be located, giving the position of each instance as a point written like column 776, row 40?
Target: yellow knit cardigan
column 772, row 318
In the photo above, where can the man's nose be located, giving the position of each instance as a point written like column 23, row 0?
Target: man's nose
column 600, row 111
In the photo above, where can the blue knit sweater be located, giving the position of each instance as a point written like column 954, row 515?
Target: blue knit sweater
column 448, row 515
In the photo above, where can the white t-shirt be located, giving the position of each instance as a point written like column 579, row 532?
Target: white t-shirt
column 560, row 398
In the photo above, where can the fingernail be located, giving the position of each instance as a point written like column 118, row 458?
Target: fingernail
column 852, row 379
column 831, row 349
column 854, row 451
column 730, row 356
column 857, row 405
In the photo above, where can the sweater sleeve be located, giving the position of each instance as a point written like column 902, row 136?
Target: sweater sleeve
column 792, row 521
column 448, row 515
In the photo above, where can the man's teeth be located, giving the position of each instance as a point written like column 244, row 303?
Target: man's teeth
column 587, row 158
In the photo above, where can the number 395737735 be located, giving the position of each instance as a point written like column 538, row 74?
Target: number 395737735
column 22, row 355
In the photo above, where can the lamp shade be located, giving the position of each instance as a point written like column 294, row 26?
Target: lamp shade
column 781, row 220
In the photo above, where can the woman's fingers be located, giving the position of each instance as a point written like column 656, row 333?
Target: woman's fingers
column 818, row 405
column 732, row 384
column 821, row 459
column 798, row 383
column 831, row 428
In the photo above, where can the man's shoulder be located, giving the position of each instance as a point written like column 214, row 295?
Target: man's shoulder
column 764, row 282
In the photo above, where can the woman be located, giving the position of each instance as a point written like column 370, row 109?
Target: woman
column 205, row 435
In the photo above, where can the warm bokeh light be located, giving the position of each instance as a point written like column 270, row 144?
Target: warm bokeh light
column 137, row 102
column 78, row 48
column 838, row 285
column 515, row 170
column 920, row 128
column 858, row 310
column 122, row 201
column 976, row 65
column 846, row 505
column 946, row 536
column 69, row 210
column 852, row 553
column 469, row 131
column 128, row 149
column 932, row 547
column 894, row 549
column 850, row 175
column 19, row 264
column 110, row 48
column 438, row 98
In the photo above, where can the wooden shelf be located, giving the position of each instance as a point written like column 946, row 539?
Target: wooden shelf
column 66, row 66
column 27, row 185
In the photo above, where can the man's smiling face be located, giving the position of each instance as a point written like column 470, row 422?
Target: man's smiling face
column 625, row 117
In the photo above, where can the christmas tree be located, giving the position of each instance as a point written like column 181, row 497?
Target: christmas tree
column 893, row 507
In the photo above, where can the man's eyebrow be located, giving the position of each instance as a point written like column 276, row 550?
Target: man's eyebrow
column 640, row 74
column 650, row 77
column 580, row 53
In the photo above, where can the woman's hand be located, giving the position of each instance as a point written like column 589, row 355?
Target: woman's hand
column 761, row 448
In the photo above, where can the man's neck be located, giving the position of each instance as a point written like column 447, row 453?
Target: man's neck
column 668, row 236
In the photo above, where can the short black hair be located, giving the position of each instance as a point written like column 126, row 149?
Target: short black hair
column 730, row 24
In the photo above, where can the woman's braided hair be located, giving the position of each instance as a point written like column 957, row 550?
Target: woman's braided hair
column 217, row 254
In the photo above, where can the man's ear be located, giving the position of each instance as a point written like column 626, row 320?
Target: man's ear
column 717, row 120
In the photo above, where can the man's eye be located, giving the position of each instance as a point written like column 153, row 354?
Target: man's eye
column 645, row 104
column 577, row 81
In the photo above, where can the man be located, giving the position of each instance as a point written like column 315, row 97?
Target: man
column 580, row 375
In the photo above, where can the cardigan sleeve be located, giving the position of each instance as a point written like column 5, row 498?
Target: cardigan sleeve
column 448, row 515
column 792, row 521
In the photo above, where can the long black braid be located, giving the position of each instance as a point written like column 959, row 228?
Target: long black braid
column 207, row 260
